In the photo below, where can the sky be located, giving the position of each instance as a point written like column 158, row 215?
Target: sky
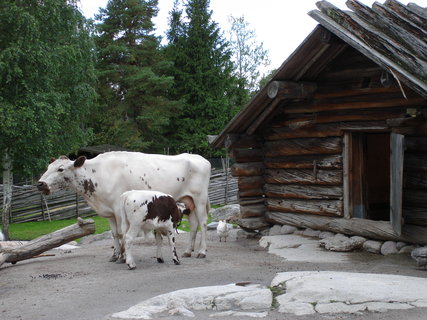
column 281, row 25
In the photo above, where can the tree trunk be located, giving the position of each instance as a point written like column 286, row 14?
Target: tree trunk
column 7, row 192
column 48, row 241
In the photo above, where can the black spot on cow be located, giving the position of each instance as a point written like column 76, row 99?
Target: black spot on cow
column 177, row 179
column 88, row 186
column 163, row 207
column 93, row 170
column 66, row 179
column 183, row 179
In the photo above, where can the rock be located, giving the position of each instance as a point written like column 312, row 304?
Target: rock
column 339, row 243
column 213, row 225
column 359, row 241
column 420, row 256
column 326, row 234
column 275, row 230
column 311, row 233
column 372, row 246
column 288, row 229
column 230, row 211
column 95, row 237
column 251, row 224
column 242, row 234
column 407, row 249
column 400, row 245
column 389, row 247
column 299, row 232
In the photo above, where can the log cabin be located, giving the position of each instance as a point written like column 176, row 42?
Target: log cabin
column 337, row 139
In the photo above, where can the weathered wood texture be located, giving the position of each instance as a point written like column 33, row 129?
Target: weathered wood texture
column 315, row 207
column 247, row 169
column 303, row 191
column 303, row 146
column 305, row 162
column 380, row 230
column 47, row 242
column 303, row 176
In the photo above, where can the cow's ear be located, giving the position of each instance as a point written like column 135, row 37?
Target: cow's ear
column 79, row 161
column 52, row 160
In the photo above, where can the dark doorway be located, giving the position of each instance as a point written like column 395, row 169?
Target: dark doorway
column 370, row 175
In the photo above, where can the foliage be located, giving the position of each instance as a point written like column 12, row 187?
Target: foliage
column 46, row 80
column 203, row 76
column 133, row 110
column 249, row 56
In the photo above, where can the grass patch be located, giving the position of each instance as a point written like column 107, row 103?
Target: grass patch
column 31, row 230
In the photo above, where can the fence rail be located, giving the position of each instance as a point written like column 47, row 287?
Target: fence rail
column 29, row 205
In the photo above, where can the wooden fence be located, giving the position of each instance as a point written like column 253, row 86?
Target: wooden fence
column 30, row 205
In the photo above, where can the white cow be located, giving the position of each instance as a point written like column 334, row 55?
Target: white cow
column 146, row 210
column 103, row 179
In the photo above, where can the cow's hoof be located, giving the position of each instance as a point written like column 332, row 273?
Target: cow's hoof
column 176, row 262
column 113, row 259
column 186, row 255
column 131, row 267
column 121, row 260
column 201, row 255
column 160, row 260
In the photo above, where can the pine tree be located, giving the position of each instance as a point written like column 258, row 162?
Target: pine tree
column 133, row 108
column 202, row 72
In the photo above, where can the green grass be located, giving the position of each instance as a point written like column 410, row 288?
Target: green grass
column 31, row 230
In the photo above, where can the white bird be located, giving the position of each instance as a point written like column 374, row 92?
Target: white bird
column 222, row 230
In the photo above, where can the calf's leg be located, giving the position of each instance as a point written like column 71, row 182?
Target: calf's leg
column 159, row 246
column 171, row 238
column 129, row 237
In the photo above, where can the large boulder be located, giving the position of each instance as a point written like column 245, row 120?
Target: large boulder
column 227, row 212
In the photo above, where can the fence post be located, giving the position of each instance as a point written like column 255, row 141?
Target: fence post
column 77, row 206
column 41, row 205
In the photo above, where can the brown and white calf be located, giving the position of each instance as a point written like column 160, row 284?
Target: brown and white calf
column 146, row 210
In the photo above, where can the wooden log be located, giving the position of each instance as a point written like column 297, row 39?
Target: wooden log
column 247, row 169
column 303, row 146
column 250, row 183
column 415, row 198
column 307, row 107
column 380, row 230
column 317, row 207
column 288, row 191
column 48, row 241
column 251, row 193
column 252, row 211
column 415, row 180
column 303, row 176
column 415, row 162
column 290, row 90
column 247, row 155
column 305, row 162
column 416, row 144
column 242, row 141
column 248, row 201
column 415, row 216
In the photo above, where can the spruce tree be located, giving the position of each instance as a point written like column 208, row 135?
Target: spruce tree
column 133, row 109
column 202, row 72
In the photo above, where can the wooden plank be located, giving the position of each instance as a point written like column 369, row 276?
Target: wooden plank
column 243, row 141
column 290, row 90
column 415, row 180
column 415, row 162
column 247, row 155
column 303, row 146
column 416, row 144
column 305, row 162
column 396, row 181
column 250, row 183
column 380, row 230
column 303, row 191
column 317, row 207
column 415, row 216
column 303, row 176
column 415, row 198
column 251, row 193
column 247, row 169
column 314, row 106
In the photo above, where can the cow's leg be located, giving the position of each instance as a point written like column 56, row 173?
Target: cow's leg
column 193, row 232
column 129, row 237
column 202, row 218
column 159, row 246
column 116, row 239
column 171, row 238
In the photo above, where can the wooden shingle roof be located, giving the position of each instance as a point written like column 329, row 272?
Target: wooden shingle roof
column 392, row 35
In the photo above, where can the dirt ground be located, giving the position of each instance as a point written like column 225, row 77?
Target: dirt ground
column 82, row 284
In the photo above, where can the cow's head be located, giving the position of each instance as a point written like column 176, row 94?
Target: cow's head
column 59, row 174
column 182, row 208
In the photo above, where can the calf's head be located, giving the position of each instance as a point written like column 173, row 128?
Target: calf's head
column 59, row 175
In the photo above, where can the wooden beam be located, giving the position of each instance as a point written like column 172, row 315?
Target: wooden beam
column 247, row 169
column 250, row 183
column 316, row 207
column 290, row 90
column 303, row 146
column 287, row 191
column 247, row 155
column 380, row 230
column 303, row 176
column 305, row 162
